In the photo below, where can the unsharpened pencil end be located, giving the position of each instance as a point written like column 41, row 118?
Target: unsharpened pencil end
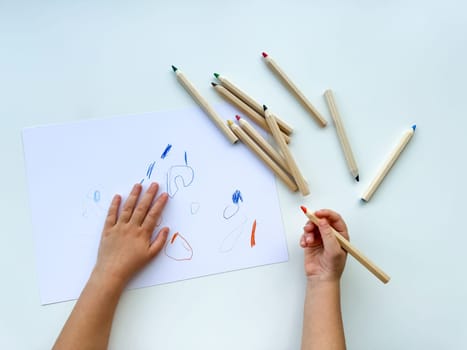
column 238, row 117
column 357, row 178
column 216, row 75
column 265, row 107
column 174, row 68
column 230, row 122
column 303, row 209
column 213, row 84
column 265, row 54
column 414, row 127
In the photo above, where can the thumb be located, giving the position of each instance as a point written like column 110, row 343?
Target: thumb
column 159, row 242
column 327, row 235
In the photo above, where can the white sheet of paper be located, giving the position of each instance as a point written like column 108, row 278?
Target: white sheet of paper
column 217, row 191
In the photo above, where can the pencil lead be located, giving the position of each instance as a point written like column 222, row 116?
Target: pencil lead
column 265, row 108
column 414, row 127
column 357, row 178
column 303, row 209
column 214, row 84
column 265, row 54
column 230, row 122
column 216, row 75
column 363, row 200
column 238, row 117
column 174, row 68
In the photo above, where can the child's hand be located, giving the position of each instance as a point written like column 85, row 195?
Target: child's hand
column 324, row 257
column 126, row 245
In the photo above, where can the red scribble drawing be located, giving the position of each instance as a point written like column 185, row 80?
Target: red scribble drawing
column 178, row 248
column 253, row 232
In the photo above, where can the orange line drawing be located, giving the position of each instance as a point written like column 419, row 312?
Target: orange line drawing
column 253, row 231
column 178, row 248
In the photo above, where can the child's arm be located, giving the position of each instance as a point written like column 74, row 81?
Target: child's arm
column 324, row 264
column 124, row 249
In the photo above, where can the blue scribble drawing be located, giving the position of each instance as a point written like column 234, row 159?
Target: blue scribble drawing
column 148, row 172
column 186, row 159
column 179, row 174
column 96, row 196
column 237, row 196
column 166, row 151
column 231, row 210
column 229, row 242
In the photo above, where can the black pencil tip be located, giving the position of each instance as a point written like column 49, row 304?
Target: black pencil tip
column 213, row 84
column 265, row 107
column 174, row 68
column 357, row 178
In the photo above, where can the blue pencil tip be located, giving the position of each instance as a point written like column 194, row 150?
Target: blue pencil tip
column 414, row 127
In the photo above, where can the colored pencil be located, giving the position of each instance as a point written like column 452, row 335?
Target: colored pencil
column 352, row 250
column 205, row 105
column 384, row 170
column 242, row 135
column 349, row 157
column 289, row 160
column 261, row 141
column 250, row 112
column 286, row 128
column 294, row 89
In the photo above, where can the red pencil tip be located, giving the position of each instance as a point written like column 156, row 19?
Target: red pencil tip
column 265, row 54
column 303, row 209
column 238, row 117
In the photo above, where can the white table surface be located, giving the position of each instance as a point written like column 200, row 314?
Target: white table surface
column 390, row 64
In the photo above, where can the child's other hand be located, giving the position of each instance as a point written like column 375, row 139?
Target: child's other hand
column 324, row 257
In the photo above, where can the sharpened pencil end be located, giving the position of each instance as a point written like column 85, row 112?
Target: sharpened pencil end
column 216, row 75
column 174, row 68
column 238, row 117
column 265, row 107
column 230, row 122
column 303, row 209
column 363, row 200
column 213, row 84
column 265, row 54
column 357, row 178
column 414, row 127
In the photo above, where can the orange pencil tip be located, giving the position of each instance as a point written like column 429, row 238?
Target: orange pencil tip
column 303, row 209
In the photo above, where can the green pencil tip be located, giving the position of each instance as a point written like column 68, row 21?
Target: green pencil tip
column 174, row 68
column 216, row 75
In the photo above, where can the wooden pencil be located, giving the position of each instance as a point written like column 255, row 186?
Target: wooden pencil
column 205, row 105
column 349, row 157
column 286, row 128
column 258, row 151
column 289, row 159
column 250, row 112
column 261, row 141
column 384, row 170
column 352, row 250
column 294, row 89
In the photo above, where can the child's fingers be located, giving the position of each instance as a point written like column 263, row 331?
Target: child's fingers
column 334, row 219
column 159, row 242
column 143, row 206
column 112, row 214
column 130, row 203
column 155, row 212
column 329, row 239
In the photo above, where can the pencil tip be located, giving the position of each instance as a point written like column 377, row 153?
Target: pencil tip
column 174, row 68
column 238, row 117
column 264, row 107
column 363, row 200
column 414, row 127
column 230, row 122
column 357, row 178
column 213, row 84
column 303, row 209
column 265, row 54
column 216, row 75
